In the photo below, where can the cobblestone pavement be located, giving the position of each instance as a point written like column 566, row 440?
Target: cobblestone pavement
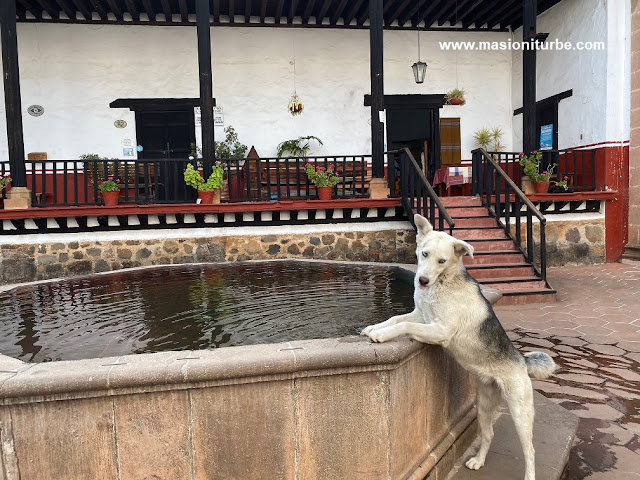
column 593, row 333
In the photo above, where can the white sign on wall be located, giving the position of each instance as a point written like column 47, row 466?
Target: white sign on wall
column 218, row 116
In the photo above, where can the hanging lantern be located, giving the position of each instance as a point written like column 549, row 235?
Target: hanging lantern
column 296, row 107
column 419, row 68
column 419, row 71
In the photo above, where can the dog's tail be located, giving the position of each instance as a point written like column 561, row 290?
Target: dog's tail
column 539, row 364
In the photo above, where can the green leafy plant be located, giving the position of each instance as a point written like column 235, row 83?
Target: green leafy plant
column 109, row 185
column 531, row 167
column 195, row 152
column 456, row 94
column 230, row 147
column 193, row 178
column 320, row 176
column 297, row 147
column 563, row 183
column 4, row 181
column 486, row 137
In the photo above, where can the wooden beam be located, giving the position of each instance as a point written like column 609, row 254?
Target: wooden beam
column 21, row 13
column 307, row 11
column 348, row 18
column 529, row 140
column 323, row 11
column 97, row 6
column 279, row 8
column 203, row 26
column 12, row 102
column 469, row 17
column 133, row 10
column 396, row 13
column 115, row 9
column 247, row 11
column 387, row 5
column 54, row 12
column 338, row 12
column 363, row 17
column 444, row 6
column 184, row 12
column 455, row 15
column 293, row 8
column 495, row 16
column 166, row 9
column 410, row 13
column 149, row 9
column 81, row 5
column 68, row 9
column 377, row 87
column 138, row 104
column 232, row 11
column 422, row 15
column 216, row 11
column 34, row 9
column 263, row 11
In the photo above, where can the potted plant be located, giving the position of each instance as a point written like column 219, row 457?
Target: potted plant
column 110, row 189
column 455, row 97
column 562, row 186
column 531, row 169
column 323, row 178
column 209, row 190
column 5, row 180
column 231, row 148
column 297, row 147
column 486, row 137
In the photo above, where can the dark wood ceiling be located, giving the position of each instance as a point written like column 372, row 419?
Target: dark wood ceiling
column 407, row 14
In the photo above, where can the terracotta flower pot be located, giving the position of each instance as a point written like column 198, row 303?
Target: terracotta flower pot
column 527, row 186
column 455, row 101
column 110, row 198
column 324, row 193
column 209, row 197
column 542, row 187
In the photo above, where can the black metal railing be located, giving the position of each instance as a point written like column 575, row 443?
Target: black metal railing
column 509, row 205
column 578, row 165
column 418, row 195
column 56, row 183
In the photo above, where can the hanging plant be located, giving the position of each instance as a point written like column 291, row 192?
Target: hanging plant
column 296, row 107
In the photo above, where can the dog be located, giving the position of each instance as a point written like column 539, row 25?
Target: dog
column 451, row 311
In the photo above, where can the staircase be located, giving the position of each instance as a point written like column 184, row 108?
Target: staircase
column 497, row 261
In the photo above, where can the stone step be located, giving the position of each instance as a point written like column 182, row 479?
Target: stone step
column 526, row 296
column 467, row 211
column 490, row 244
column 469, row 222
column 479, row 233
column 461, row 201
column 502, row 270
column 494, row 257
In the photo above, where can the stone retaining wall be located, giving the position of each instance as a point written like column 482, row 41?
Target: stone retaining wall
column 571, row 240
column 60, row 255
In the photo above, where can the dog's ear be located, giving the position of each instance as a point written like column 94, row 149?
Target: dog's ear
column 422, row 224
column 462, row 248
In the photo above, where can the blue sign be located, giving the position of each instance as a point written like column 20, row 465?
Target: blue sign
column 139, row 148
column 546, row 137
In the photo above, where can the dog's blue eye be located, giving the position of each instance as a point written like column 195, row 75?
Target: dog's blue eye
column 425, row 254
column 442, row 261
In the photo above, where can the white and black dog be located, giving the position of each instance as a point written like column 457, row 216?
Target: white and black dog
column 451, row 311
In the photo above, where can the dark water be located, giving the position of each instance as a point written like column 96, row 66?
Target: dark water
column 196, row 307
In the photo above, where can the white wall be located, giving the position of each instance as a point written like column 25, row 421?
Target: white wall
column 598, row 111
column 75, row 71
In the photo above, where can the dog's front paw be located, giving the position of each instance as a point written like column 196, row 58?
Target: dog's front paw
column 474, row 463
column 367, row 330
column 377, row 335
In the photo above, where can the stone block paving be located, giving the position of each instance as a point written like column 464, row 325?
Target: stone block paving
column 593, row 334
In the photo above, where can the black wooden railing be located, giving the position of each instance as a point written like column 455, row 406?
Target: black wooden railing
column 509, row 205
column 418, row 195
column 579, row 165
column 158, row 181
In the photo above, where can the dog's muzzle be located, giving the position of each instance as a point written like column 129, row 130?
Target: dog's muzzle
column 423, row 281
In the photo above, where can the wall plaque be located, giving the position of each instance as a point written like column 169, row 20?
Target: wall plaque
column 35, row 110
column 120, row 124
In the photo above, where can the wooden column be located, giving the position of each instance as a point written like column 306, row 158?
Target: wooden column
column 377, row 87
column 203, row 26
column 13, row 104
column 530, row 140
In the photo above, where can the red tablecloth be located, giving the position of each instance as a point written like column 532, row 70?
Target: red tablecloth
column 452, row 176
